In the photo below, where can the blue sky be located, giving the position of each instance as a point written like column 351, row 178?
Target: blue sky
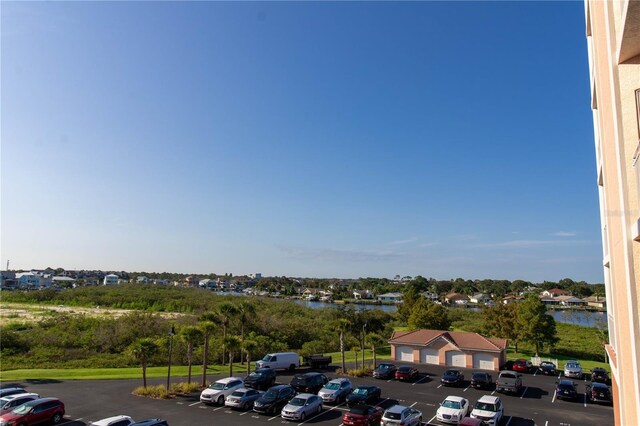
column 443, row 139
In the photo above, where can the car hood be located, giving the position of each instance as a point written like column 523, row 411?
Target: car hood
column 484, row 413
column 327, row 391
column 450, row 411
column 292, row 408
column 211, row 392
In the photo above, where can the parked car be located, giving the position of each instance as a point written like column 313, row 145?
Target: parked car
column 9, row 402
column 599, row 392
column 150, row 422
column 364, row 394
column 274, row 399
column 242, row 398
column 42, row 410
column 120, row 420
column 219, row 390
column 336, row 390
column 11, row 391
column 453, row 409
column 600, row 375
column 509, row 381
column 385, row 371
column 547, row 368
column 406, row 372
column 281, row 360
column 489, row 409
column 522, row 366
column 573, row 369
column 452, row 378
column 262, row 378
column 317, row 361
column 566, row 389
column 301, row 406
column 309, row 382
column 363, row 415
column 481, row 380
column 399, row 415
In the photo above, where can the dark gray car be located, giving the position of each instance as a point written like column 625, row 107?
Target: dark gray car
column 242, row 398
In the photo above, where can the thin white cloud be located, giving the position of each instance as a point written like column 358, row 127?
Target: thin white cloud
column 534, row 243
column 407, row 241
column 564, row 234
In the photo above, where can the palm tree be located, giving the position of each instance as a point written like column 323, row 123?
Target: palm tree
column 141, row 350
column 225, row 310
column 233, row 344
column 374, row 340
column 342, row 326
column 249, row 346
column 191, row 335
column 245, row 309
column 207, row 327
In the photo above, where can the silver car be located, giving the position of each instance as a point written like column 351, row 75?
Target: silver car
column 8, row 403
column 301, row 406
column 336, row 390
column 401, row 415
column 242, row 398
column 573, row 369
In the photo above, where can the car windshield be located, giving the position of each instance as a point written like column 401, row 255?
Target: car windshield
column 267, row 358
column 508, row 375
column 479, row 376
column 333, row 386
column 485, row 406
column 239, row 393
column 565, row 386
column 360, row 391
column 361, row 409
column 217, row 386
column 383, row 367
column 451, row 404
column 22, row 409
column 393, row 416
column 404, row 369
column 256, row 375
column 547, row 364
column 271, row 395
column 451, row 373
column 572, row 365
column 298, row 402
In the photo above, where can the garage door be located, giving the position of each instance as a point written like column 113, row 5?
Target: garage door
column 456, row 359
column 483, row 361
column 429, row 356
column 404, row 353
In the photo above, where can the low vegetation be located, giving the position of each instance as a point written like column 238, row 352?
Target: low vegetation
column 158, row 392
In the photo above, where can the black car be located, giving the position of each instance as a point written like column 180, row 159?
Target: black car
column 364, row 395
column 600, row 375
column 262, row 378
column 481, row 380
column 599, row 392
column 452, row 378
column 11, row 391
column 385, row 371
column 547, row 368
column 309, row 382
column 150, row 422
column 274, row 399
column 566, row 389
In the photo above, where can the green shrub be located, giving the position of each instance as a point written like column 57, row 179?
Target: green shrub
column 184, row 388
column 359, row 372
column 158, row 392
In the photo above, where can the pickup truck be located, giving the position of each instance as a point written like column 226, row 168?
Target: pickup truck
column 317, row 361
column 509, row 381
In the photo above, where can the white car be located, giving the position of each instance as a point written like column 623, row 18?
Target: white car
column 573, row 369
column 489, row 409
column 336, row 390
column 218, row 391
column 453, row 409
column 301, row 406
column 113, row 421
column 399, row 415
column 8, row 403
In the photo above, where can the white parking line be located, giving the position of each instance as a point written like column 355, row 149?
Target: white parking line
column 525, row 391
column 424, row 378
column 389, row 381
column 219, row 408
column 319, row 414
column 246, row 412
column 431, row 419
column 509, row 421
column 413, row 404
column 465, row 389
column 536, row 372
column 585, row 400
column 439, row 386
column 382, row 402
column 554, row 398
column 493, row 392
column 195, row 403
column 546, row 423
column 274, row 417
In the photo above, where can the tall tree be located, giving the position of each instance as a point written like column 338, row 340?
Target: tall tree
column 374, row 341
column 142, row 350
column 191, row 335
column 537, row 327
column 225, row 310
column 245, row 310
column 503, row 321
column 207, row 327
column 233, row 345
column 429, row 315
column 342, row 327
column 409, row 299
column 249, row 346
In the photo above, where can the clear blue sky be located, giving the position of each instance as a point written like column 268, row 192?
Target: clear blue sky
column 443, row 139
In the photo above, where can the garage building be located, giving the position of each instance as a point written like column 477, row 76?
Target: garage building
column 449, row 348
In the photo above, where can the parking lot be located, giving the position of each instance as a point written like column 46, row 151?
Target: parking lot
column 535, row 405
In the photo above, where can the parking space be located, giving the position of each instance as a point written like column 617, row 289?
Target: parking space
column 534, row 405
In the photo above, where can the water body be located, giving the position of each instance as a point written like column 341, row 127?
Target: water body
column 583, row 318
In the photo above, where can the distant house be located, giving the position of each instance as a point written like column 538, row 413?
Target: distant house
column 546, row 300
column 429, row 295
column 62, row 280
column 142, row 279
column 191, row 281
column 480, row 298
column 456, row 299
column 511, row 298
column 255, row 276
column 570, row 301
column 28, row 279
column 555, row 292
column 207, row 283
column 110, row 279
column 390, row 297
column 362, row 294
column 596, row 301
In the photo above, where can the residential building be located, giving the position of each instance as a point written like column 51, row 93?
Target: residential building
column 110, row 279
column 555, row 292
column 613, row 45
column 456, row 299
column 390, row 297
column 479, row 298
column 362, row 294
column 596, row 301
column 429, row 295
column 191, row 281
column 28, row 279
column 570, row 301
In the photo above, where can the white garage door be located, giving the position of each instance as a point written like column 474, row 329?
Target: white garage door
column 483, row 361
column 456, row 359
column 429, row 356
column 404, row 353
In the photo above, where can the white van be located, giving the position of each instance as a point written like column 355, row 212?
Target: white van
column 281, row 360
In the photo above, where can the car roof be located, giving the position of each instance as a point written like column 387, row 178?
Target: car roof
column 489, row 399
column 110, row 420
column 278, row 387
column 305, row 395
column 313, row 373
column 148, row 422
column 17, row 395
column 339, row 380
column 228, row 379
column 566, row 382
column 41, row 400
column 366, row 387
column 452, row 372
column 599, row 370
column 599, row 385
column 396, row 409
column 454, row 398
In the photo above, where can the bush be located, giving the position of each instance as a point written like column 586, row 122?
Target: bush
column 359, row 372
column 184, row 388
column 158, row 392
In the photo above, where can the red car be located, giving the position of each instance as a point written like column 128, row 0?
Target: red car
column 406, row 372
column 363, row 415
column 43, row 410
column 522, row 366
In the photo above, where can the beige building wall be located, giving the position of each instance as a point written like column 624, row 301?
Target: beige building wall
column 613, row 41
